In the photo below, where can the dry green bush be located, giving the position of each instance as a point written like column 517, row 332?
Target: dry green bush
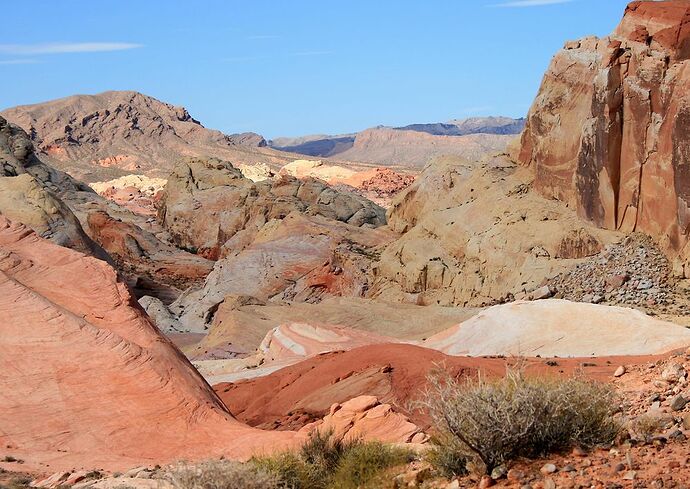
column 325, row 461
column 491, row 422
column 223, row 475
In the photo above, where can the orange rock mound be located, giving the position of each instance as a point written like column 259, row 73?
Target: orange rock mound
column 88, row 380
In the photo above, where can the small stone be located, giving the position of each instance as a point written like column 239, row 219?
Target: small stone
column 515, row 475
column 686, row 421
column 499, row 472
column 620, row 371
column 568, row 468
column 549, row 483
column 486, row 482
column 630, row 475
column 453, row 484
column 619, row 467
column 678, row 402
column 645, row 284
column 548, row 469
column 541, row 293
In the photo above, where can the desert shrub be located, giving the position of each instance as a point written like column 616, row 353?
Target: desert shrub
column 325, row 461
column 491, row 422
column 448, row 455
column 364, row 462
column 223, row 475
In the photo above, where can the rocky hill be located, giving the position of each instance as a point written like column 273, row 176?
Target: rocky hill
column 608, row 131
column 105, row 136
column 409, row 146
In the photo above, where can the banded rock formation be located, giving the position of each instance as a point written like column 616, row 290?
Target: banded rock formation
column 88, row 380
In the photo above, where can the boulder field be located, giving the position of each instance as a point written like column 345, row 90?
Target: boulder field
column 608, row 131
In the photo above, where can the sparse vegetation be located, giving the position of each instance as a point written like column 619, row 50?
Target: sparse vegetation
column 487, row 423
column 223, row 475
column 325, row 461
column 645, row 426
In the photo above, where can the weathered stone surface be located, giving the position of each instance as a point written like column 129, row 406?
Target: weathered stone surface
column 209, row 206
column 29, row 193
column 87, row 380
column 608, row 131
column 560, row 328
column 299, row 258
column 474, row 233
column 366, row 418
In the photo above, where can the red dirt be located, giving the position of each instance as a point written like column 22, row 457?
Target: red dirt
column 395, row 373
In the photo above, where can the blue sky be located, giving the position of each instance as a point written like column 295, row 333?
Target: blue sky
column 300, row 66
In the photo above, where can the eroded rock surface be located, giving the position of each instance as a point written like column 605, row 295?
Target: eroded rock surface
column 208, row 205
column 559, row 328
column 608, row 131
column 87, row 379
column 474, row 233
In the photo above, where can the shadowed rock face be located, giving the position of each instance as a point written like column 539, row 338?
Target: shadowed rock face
column 609, row 132
column 87, row 379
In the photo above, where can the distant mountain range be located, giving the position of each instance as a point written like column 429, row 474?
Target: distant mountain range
column 111, row 134
column 384, row 144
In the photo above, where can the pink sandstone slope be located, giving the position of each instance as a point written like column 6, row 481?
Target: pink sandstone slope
column 87, row 380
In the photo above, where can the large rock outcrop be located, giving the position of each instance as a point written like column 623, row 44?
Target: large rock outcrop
column 609, row 130
column 299, row 258
column 474, row 232
column 208, row 204
column 87, row 380
column 30, row 193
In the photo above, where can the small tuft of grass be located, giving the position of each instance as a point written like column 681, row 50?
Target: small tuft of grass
column 223, row 475
column 325, row 461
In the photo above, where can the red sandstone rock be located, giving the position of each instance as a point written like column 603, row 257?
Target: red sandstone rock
column 608, row 131
column 87, row 380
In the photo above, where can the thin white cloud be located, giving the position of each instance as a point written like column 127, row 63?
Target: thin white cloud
column 65, row 47
column 18, row 61
column 311, row 53
column 529, row 3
